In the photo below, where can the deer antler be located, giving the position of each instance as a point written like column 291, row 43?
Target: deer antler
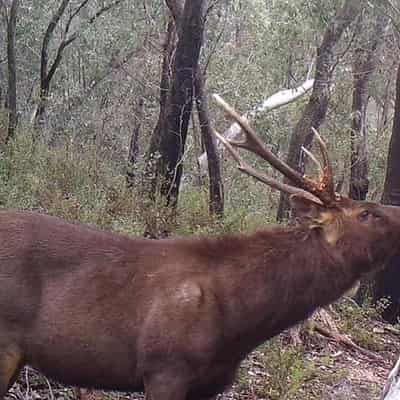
column 249, row 170
column 314, row 160
column 327, row 184
column 321, row 192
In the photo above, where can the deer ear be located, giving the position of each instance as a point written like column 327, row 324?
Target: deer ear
column 305, row 209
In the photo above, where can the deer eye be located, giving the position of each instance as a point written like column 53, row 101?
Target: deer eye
column 367, row 215
column 364, row 215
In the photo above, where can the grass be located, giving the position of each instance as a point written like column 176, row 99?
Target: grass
column 356, row 322
column 278, row 370
column 71, row 185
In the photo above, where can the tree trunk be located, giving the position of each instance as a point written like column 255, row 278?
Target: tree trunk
column 386, row 283
column 315, row 111
column 216, row 190
column 44, row 76
column 391, row 191
column 134, row 144
column 172, row 130
column 359, row 181
column 150, row 177
column 12, row 71
column 363, row 67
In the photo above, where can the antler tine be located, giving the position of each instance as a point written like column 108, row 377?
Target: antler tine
column 313, row 159
column 328, row 184
column 249, row 170
column 254, row 144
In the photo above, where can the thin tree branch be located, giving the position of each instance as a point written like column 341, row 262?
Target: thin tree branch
column 73, row 15
column 12, row 70
column 47, row 75
column 176, row 9
column 103, row 10
column 47, row 37
column 67, row 41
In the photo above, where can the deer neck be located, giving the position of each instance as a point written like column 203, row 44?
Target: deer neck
column 281, row 278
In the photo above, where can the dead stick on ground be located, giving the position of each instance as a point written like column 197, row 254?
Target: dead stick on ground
column 390, row 329
column 345, row 340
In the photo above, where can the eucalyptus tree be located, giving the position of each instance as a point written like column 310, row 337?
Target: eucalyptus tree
column 181, row 55
column 9, row 14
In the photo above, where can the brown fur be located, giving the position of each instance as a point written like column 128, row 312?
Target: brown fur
column 101, row 310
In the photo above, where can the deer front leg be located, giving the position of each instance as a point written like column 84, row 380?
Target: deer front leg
column 10, row 365
column 166, row 385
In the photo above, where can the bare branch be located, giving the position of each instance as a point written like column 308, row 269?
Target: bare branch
column 47, row 37
column 46, row 75
column 73, row 15
column 103, row 10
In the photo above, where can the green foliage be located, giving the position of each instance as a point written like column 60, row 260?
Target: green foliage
column 76, row 186
column 285, row 372
column 288, row 371
column 64, row 183
column 356, row 320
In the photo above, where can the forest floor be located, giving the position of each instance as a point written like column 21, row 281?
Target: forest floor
column 319, row 368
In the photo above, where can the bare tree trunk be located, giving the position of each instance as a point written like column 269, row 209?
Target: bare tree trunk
column 134, row 144
column 391, row 191
column 44, row 76
column 12, row 71
column 359, row 181
column 386, row 282
column 172, row 132
column 150, row 178
column 216, row 189
column 315, row 111
column 363, row 67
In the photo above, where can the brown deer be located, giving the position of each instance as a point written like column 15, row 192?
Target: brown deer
column 175, row 317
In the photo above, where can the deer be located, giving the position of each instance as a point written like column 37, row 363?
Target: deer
column 175, row 317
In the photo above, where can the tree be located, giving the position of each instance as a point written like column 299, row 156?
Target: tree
column 386, row 284
column 46, row 72
column 216, row 190
column 363, row 67
column 134, row 144
column 315, row 111
column 169, row 48
column 169, row 137
column 10, row 16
